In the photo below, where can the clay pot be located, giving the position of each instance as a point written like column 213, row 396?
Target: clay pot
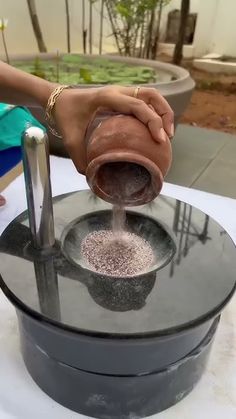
column 124, row 164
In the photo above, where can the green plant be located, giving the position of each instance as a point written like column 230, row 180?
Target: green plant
column 76, row 69
column 85, row 75
column 135, row 25
column 38, row 69
column 58, row 66
column 72, row 58
column 52, row 74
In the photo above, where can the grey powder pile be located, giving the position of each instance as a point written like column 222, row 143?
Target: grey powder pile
column 121, row 256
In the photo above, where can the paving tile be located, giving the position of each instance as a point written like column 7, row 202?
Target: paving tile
column 204, row 159
column 228, row 152
column 219, row 178
column 186, row 168
column 199, row 141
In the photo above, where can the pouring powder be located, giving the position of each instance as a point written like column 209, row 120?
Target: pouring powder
column 125, row 255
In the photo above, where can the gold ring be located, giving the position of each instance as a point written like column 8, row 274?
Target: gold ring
column 136, row 91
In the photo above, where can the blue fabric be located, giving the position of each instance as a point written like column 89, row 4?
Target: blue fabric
column 13, row 121
column 9, row 158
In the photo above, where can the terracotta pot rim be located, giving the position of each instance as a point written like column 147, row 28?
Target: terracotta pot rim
column 124, row 156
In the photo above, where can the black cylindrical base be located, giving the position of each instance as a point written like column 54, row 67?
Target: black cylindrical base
column 116, row 396
column 112, row 355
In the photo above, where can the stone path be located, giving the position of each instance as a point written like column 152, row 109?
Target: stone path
column 204, row 159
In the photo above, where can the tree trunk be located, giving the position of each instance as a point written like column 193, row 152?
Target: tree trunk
column 157, row 34
column 150, row 34
column 84, row 31
column 101, row 26
column 68, row 25
column 145, row 32
column 127, row 41
column 141, row 40
column 178, row 52
column 113, row 26
column 135, row 40
column 36, row 26
column 90, row 27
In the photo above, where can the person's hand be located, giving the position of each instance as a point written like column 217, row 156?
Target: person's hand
column 75, row 108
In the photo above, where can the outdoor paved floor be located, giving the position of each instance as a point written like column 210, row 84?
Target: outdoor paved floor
column 204, row 159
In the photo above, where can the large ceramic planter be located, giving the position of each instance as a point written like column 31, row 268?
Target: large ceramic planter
column 177, row 91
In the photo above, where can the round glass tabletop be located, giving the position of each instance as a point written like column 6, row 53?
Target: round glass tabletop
column 193, row 286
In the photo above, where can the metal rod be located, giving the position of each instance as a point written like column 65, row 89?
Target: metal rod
column 47, row 285
column 203, row 236
column 175, row 229
column 176, row 216
column 186, row 246
column 35, row 150
column 181, row 235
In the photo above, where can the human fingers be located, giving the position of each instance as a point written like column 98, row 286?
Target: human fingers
column 152, row 97
column 116, row 101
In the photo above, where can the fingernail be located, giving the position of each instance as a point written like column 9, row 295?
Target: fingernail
column 172, row 130
column 162, row 135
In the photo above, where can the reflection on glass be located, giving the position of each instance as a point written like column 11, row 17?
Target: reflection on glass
column 47, row 286
column 110, row 293
column 186, row 232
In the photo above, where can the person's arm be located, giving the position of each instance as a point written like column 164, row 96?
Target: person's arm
column 20, row 88
column 75, row 108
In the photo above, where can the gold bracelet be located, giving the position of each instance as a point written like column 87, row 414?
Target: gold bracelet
column 50, row 105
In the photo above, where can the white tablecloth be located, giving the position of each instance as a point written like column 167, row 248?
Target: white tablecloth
column 215, row 395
